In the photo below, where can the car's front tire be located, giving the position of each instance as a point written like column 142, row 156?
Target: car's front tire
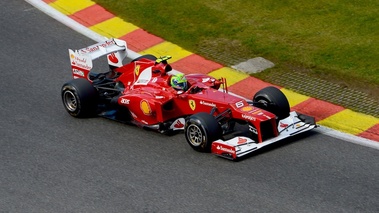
column 79, row 98
column 201, row 130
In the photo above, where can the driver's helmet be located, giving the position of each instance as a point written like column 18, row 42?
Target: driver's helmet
column 179, row 82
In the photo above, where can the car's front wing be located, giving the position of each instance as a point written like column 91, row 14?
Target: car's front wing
column 240, row 146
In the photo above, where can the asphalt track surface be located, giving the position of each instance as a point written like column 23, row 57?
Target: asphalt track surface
column 51, row 162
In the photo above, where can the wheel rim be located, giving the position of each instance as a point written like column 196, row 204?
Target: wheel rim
column 194, row 135
column 263, row 101
column 70, row 101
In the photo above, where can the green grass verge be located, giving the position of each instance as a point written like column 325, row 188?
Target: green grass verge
column 331, row 39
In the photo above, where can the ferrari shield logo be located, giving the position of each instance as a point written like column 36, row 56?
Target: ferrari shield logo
column 192, row 104
column 136, row 70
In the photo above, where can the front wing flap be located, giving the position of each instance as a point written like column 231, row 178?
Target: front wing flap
column 240, row 146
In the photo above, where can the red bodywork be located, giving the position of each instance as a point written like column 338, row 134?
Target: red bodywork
column 151, row 100
column 212, row 119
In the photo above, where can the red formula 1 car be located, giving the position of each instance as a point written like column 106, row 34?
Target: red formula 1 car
column 141, row 93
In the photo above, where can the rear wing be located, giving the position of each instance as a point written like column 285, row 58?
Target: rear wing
column 81, row 60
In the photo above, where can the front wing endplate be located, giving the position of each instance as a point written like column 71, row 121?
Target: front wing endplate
column 240, row 146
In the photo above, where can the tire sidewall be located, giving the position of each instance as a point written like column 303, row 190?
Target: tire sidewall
column 273, row 95
column 69, row 88
column 209, row 128
column 148, row 56
column 204, row 142
column 86, row 97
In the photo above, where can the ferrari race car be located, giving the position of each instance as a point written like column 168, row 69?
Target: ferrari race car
column 140, row 93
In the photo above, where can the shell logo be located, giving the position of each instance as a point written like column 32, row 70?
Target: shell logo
column 247, row 108
column 145, row 107
column 192, row 104
column 72, row 56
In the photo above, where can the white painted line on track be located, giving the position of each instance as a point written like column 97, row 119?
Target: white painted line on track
column 39, row 4
column 72, row 24
column 347, row 137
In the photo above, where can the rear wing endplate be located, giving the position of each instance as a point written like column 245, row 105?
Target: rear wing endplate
column 81, row 60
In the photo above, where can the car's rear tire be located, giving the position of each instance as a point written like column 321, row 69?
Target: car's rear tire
column 273, row 100
column 201, row 130
column 79, row 98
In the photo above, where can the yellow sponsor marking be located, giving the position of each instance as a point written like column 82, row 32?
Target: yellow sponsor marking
column 69, row 7
column 114, row 28
column 293, row 97
column 167, row 48
column 145, row 107
column 232, row 76
column 350, row 122
column 247, row 108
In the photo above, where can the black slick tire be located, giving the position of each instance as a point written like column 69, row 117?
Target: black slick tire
column 274, row 101
column 148, row 56
column 201, row 130
column 79, row 98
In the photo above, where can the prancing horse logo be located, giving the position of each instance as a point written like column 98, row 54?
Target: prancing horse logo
column 192, row 104
column 136, row 70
